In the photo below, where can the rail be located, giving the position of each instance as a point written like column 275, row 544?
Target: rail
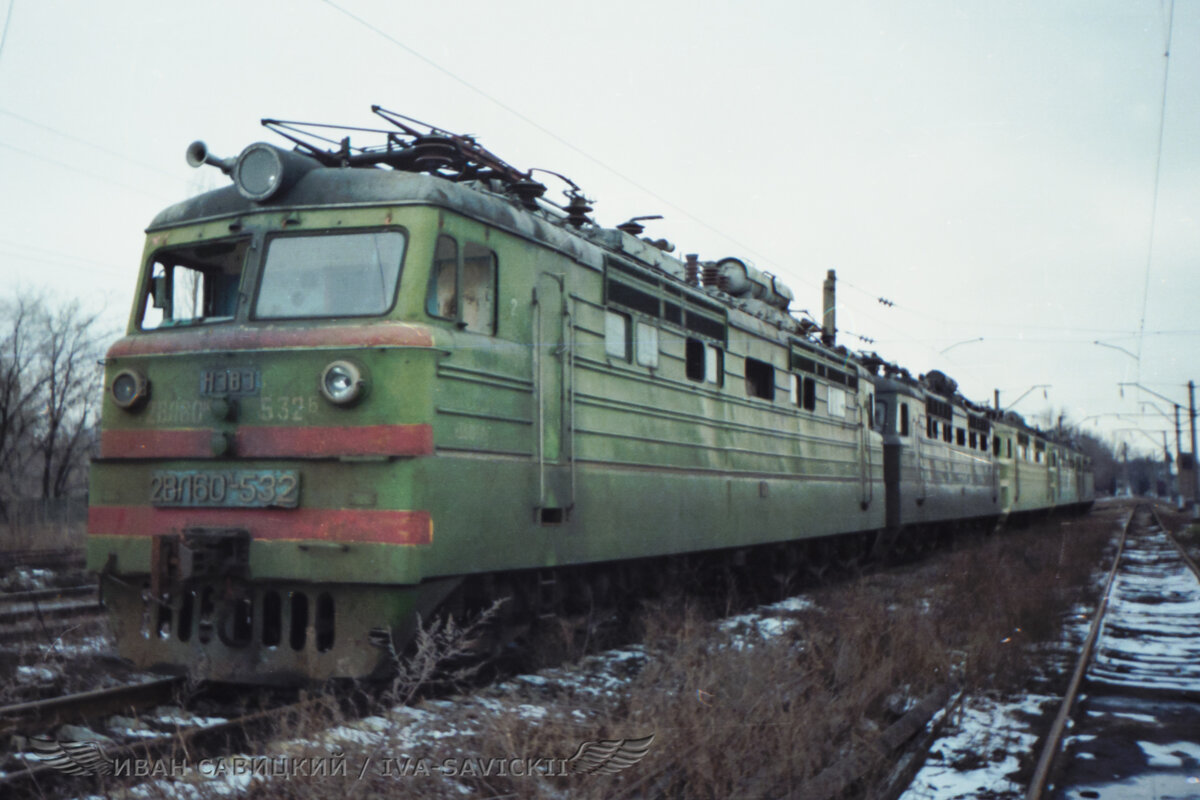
column 194, row 743
column 1187, row 559
column 1054, row 738
column 69, row 557
column 38, row 595
column 20, row 717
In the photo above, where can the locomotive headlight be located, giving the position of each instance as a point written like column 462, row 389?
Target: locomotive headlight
column 130, row 389
column 263, row 170
column 343, row 383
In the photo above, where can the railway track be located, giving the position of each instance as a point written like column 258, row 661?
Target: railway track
column 174, row 743
column 192, row 743
column 28, row 620
column 41, row 559
column 85, row 706
column 1133, row 704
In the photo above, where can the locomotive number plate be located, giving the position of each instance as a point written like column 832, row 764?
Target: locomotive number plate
column 225, row 488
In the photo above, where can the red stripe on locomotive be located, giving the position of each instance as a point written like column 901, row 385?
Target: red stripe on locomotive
column 274, row 441
column 333, row 525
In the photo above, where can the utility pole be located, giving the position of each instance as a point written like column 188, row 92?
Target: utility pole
column 1178, row 458
column 1195, row 472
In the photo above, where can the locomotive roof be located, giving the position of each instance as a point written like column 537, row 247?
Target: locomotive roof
column 420, row 164
column 335, row 187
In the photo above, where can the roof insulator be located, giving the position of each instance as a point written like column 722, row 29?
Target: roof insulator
column 578, row 209
column 633, row 225
column 528, row 191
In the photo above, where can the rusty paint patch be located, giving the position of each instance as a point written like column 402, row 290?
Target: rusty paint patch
column 311, row 442
column 156, row 444
column 334, row 525
column 387, row 334
column 273, row 441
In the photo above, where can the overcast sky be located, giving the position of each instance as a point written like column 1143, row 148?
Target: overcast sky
column 988, row 167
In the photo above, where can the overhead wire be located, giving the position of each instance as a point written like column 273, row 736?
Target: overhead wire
column 574, row 148
column 7, row 22
column 1162, row 124
column 87, row 143
column 65, row 259
column 79, row 171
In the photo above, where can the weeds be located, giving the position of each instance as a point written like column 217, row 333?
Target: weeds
column 736, row 710
column 440, row 655
column 21, row 535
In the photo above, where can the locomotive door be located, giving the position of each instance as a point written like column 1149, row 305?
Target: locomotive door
column 551, row 356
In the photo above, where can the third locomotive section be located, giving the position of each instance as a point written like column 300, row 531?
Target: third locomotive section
column 357, row 382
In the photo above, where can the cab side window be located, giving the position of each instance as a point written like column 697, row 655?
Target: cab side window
column 193, row 285
column 443, row 282
column 478, row 289
column 463, row 291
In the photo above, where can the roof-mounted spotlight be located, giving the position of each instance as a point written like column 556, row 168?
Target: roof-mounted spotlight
column 262, row 170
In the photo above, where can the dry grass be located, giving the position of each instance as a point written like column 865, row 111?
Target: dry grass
column 1185, row 528
column 43, row 536
column 737, row 713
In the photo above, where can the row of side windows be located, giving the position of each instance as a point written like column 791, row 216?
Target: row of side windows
column 947, row 432
column 629, row 340
column 624, row 340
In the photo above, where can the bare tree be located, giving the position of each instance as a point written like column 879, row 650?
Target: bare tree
column 49, row 388
column 68, row 351
column 20, row 388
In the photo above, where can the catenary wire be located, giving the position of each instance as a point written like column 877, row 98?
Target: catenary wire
column 7, row 24
column 1162, row 119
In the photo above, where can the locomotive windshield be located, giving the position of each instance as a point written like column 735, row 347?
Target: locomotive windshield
column 190, row 285
column 332, row 275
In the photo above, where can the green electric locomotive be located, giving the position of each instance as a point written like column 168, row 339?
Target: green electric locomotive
column 363, row 384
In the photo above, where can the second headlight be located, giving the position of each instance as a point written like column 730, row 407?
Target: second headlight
column 343, row 383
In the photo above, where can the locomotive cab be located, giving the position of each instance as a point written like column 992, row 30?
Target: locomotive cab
column 255, row 511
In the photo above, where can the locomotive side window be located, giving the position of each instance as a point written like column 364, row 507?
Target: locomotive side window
column 693, row 357
column 703, row 362
column 647, row 345
column 904, row 419
column 836, row 402
column 714, row 365
column 810, row 394
column 479, row 289
column 760, row 379
column 880, row 421
column 465, row 294
column 330, row 275
column 616, row 335
column 193, row 285
column 443, row 296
